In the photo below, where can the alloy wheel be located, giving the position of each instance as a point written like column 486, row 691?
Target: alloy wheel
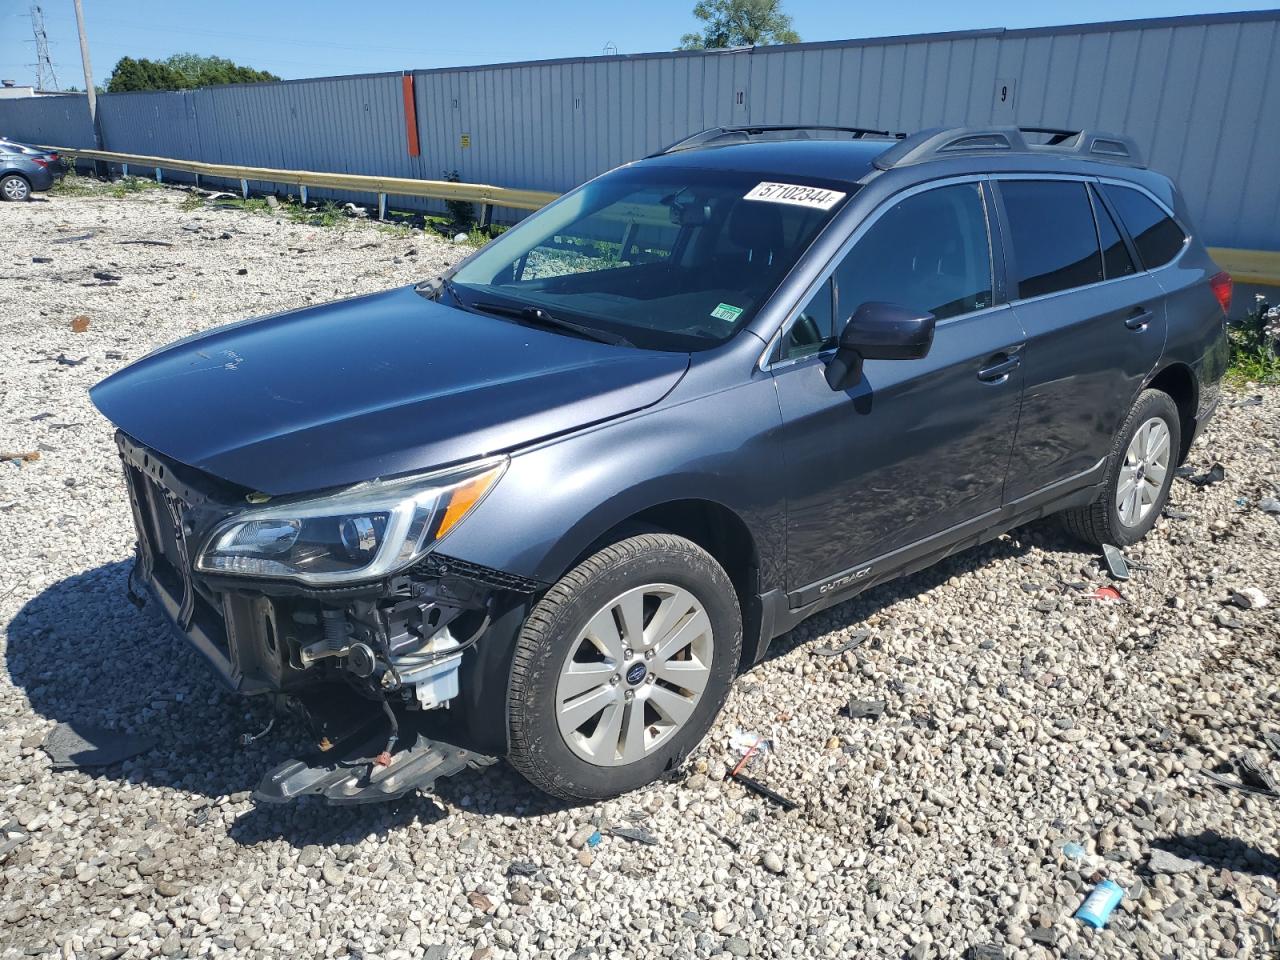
column 15, row 188
column 634, row 674
column 1143, row 472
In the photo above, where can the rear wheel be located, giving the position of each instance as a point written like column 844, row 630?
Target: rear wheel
column 1139, row 473
column 621, row 668
column 14, row 187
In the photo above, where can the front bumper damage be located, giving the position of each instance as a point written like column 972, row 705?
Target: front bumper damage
column 371, row 669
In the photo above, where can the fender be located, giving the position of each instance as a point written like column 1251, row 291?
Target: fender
column 559, row 497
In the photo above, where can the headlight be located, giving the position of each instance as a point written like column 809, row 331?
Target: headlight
column 362, row 533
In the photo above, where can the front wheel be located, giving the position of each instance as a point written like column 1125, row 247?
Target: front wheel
column 622, row 667
column 1139, row 473
column 14, row 187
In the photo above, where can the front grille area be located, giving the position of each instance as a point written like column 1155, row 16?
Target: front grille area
column 157, row 515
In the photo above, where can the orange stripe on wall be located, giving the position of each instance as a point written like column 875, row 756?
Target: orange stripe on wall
column 410, row 114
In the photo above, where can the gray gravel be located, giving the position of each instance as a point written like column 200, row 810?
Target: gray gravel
column 1020, row 715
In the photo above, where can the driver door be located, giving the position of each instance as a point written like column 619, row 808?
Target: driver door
column 915, row 447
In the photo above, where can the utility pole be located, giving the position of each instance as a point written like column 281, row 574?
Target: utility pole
column 88, row 76
column 46, row 79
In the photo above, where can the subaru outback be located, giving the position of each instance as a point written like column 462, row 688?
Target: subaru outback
column 546, row 506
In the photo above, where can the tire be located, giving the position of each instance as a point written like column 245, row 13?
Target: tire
column 14, row 187
column 563, row 646
column 1102, row 521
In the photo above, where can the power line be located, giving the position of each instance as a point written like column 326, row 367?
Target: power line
column 46, row 79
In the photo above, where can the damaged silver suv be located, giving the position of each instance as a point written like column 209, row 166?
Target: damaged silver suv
column 546, row 506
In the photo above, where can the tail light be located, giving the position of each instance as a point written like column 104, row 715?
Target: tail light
column 1221, row 285
column 40, row 161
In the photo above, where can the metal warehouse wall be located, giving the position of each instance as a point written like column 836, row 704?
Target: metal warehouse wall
column 1201, row 95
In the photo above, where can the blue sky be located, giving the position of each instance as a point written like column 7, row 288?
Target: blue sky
column 326, row 37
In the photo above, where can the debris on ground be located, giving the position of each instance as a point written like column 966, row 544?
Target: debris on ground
column 1269, row 505
column 26, row 456
column 78, row 745
column 985, row 951
column 1073, row 851
column 856, row 639
column 731, row 843
column 866, row 709
column 107, row 276
column 1098, row 905
column 80, row 324
column 755, row 786
column 1249, row 598
column 1106, row 592
column 145, row 243
column 634, row 834
column 42, row 259
column 1117, row 565
column 74, row 239
column 1215, row 474
column 1250, row 777
column 63, row 360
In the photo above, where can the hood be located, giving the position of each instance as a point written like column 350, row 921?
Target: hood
column 371, row 387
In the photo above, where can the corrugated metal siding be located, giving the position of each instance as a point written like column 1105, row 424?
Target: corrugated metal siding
column 1201, row 95
column 63, row 121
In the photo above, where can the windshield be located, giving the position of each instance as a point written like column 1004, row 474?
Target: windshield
column 667, row 258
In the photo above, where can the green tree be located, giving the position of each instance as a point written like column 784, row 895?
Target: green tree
column 182, row 71
column 130, row 74
column 739, row 23
column 201, row 71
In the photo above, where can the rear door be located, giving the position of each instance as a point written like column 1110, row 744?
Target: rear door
column 1095, row 328
column 916, row 446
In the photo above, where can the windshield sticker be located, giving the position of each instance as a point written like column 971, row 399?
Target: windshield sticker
column 795, row 194
column 727, row 312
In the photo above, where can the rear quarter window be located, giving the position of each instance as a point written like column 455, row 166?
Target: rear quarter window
column 1155, row 234
column 1055, row 242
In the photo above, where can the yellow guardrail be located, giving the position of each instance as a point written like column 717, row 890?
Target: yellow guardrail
column 482, row 193
column 1249, row 266
column 1245, row 266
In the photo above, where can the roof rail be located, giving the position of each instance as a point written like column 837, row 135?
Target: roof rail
column 942, row 142
column 718, row 136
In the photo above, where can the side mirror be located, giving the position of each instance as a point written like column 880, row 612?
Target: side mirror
column 879, row 331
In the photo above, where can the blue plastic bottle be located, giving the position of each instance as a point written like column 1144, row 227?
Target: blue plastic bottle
column 1098, row 905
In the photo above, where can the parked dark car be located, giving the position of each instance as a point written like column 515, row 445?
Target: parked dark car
column 568, row 490
column 22, row 174
column 52, row 159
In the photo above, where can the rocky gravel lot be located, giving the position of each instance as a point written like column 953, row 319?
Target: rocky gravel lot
column 1022, row 715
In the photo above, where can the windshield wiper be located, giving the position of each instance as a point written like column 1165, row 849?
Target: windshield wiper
column 536, row 315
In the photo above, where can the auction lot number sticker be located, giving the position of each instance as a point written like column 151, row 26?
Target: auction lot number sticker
column 795, row 194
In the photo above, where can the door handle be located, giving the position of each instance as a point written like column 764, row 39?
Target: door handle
column 998, row 370
column 1139, row 319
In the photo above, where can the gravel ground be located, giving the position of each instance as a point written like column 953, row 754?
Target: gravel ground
column 1021, row 714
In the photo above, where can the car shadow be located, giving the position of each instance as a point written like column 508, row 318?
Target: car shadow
column 1045, row 535
column 1220, row 852
column 83, row 654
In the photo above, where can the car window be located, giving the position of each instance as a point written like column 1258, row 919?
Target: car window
column 1116, row 261
column 1055, row 242
column 929, row 252
column 669, row 258
column 1155, row 234
column 632, row 231
column 814, row 328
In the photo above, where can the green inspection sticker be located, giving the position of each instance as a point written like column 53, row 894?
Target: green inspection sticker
column 727, row 312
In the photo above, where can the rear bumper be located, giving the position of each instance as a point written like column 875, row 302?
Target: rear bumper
column 40, row 180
